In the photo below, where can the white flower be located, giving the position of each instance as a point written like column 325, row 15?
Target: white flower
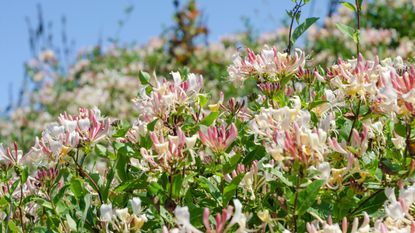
column 123, row 215
column 393, row 208
column 136, row 205
column 183, row 219
column 3, row 157
column 238, row 217
column 106, row 212
column 191, row 141
column 69, row 125
column 408, row 194
column 84, row 124
column 325, row 170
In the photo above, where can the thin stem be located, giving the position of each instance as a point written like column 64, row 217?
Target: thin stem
column 297, row 187
column 358, row 27
column 21, row 201
column 407, row 140
column 84, row 174
column 356, row 117
column 295, row 11
column 95, row 185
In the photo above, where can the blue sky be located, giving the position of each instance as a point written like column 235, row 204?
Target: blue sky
column 88, row 20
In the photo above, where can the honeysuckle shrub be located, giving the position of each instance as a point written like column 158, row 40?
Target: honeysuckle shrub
column 310, row 149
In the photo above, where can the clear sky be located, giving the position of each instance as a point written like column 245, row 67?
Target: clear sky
column 88, row 20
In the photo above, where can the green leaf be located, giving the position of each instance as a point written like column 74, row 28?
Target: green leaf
column 105, row 189
column 203, row 100
column 297, row 17
column 211, row 188
column 371, row 203
column 131, row 185
column 255, row 153
column 307, row 197
column 150, row 126
column 208, row 120
column 177, row 185
column 282, row 178
column 13, row 227
column 289, row 13
column 344, row 204
column 144, row 77
column 60, row 194
column 87, row 200
column 302, row 28
column 349, row 5
column 231, row 165
column 359, row 3
column 121, row 166
column 100, row 150
column 348, row 31
column 122, row 130
column 14, row 186
column 230, row 189
column 400, row 129
column 155, row 188
column 316, row 103
column 71, row 222
column 77, row 187
column 3, row 201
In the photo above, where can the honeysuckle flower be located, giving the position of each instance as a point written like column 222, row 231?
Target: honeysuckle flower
column 268, row 120
column 334, row 144
column 325, row 171
column 220, row 219
column 106, row 213
column 360, row 140
column 10, row 157
column 394, row 208
column 264, row 216
column 166, row 97
column 35, row 157
column 355, row 77
column 398, row 141
column 47, row 176
column 269, row 65
column 183, row 219
column 330, row 227
column 408, row 194
column 137, row 130
column 94, row 128
column 123, row 215
column 219, row 139
column 136, row 205
column 238, row 217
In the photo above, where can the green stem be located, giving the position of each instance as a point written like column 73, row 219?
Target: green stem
column 297, row 187
column 295, row 11
column 358, row 26
column 84, row 174
column 21, row 201
column 407, row 141
column 356, row 117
